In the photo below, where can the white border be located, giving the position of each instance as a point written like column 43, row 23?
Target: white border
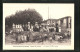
column 10, row 47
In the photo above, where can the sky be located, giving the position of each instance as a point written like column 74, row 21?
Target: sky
column 56, row 10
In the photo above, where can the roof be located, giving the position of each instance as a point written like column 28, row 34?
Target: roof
column 65, row 17
column 50, row 19
column 56, row 19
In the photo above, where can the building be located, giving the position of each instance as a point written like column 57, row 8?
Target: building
column 17, row 28
column 64, row 23
column 58, row 25
column 50, row 24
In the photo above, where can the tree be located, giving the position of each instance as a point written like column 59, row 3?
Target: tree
column 23, row 17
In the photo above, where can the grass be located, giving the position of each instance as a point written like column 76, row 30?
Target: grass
column 11, row 39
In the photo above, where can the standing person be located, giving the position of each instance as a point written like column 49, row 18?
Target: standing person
column 17, row 36
column 40, row 28
column 24, row 38
column 59, row 29
column 28, row 37
column 66, row 35
column 69, row 34
column 45, row 37
column 29, row 26
column 50, row 38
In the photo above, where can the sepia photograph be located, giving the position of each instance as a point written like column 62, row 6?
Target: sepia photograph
column 38, row 26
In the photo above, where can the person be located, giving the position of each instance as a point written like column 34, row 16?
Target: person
column 50, row 38
column 24, row 37
column 69, row 34
column 57, row 37
column 45, row 37
column 35, row 29
column 65, row 35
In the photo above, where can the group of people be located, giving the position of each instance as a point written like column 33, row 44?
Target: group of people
column 37, row 32
column 40, row 37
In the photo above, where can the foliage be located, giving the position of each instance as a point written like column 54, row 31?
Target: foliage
column 22, row 17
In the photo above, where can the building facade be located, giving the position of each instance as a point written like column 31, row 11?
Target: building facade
column 50, row 24
column 58, row 25
column 65, row 24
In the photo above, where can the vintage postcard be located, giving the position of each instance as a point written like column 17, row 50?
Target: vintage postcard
column 38, row 26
